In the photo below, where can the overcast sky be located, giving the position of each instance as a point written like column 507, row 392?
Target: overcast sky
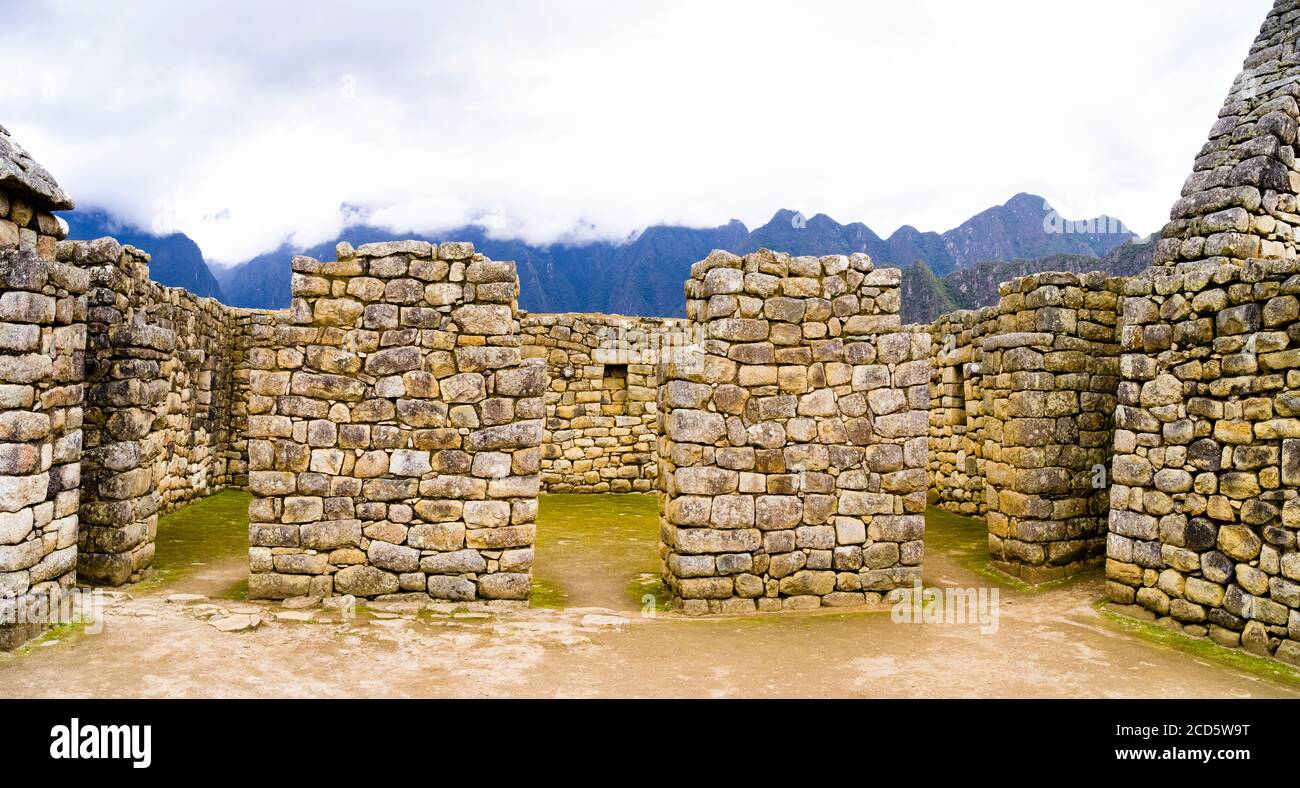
column 244, row 124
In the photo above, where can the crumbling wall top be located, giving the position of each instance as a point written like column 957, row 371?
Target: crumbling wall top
column 22, row 176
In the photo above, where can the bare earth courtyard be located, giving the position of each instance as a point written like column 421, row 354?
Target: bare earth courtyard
column 589, row 634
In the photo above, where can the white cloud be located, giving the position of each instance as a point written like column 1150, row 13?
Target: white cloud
column 548, row 120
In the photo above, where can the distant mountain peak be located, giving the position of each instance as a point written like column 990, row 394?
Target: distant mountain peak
column 785, row 216
column 643, row 274
column 1028, row 200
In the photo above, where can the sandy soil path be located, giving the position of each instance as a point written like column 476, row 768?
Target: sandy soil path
column 1048, row 644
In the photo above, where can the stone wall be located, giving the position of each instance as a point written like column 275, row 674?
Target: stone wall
column 956, row 406
column 394, row 429
column 600, row 406
column 1049, row 374
column 157, row 410
column 793, row 448
column 1240, row 201
column 248, row 328
column 42, row 344
column 1021, row 428
column 1205, row 506
column 25, row 225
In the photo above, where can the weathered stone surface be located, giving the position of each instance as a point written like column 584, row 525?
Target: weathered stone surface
column 773, row 433
column 365, row 581
column 395, row 428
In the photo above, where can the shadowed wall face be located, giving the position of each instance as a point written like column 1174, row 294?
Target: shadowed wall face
column 956, row 405
column 1049, row 376
column 158, row 405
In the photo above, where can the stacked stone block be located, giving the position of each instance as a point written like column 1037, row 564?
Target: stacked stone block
column 249, row 328
column 600, row 406
column 1205, row 507
column 42, row 344
column 793, row 442
column 956, row 406
column 158, row 399
column 28, row 198
column 1049, row 374
column 1240, row 201
column 394, row 429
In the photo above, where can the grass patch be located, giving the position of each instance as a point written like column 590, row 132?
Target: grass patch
column 545, row 595
column 429, row 616
column 61, row 632
column 648, row 592
column 213, row 529
column 965, row 541
column 603, row 535
column 1235, row 658
column 787, row 620
column 236, row 593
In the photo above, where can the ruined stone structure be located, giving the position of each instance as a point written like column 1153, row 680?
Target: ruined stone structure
column 1240, row 202
column 793, row 449
column 956, row 405
column 42, row 345
column 1022, row 429
column 159, row 366
column 600, row 406
column 1205, row 506
column 1199, row 515
column 394, row 429
column 398, row 422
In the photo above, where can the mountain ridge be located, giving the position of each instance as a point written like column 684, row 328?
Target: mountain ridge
column 644, row 275
column 926, row 296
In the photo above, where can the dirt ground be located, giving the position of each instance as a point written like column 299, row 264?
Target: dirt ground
column 1051, row 643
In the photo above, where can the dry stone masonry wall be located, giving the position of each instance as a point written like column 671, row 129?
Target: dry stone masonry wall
column 793, row 448
column 42, row 343
column 157, row 412
column 1205, row 508
column 600, row 406
column 1049, row 374
column 42, row 354
column 956, row 406
column 1240, row 201
column 394, row 429
column 1021, row 428
column 248, row 328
